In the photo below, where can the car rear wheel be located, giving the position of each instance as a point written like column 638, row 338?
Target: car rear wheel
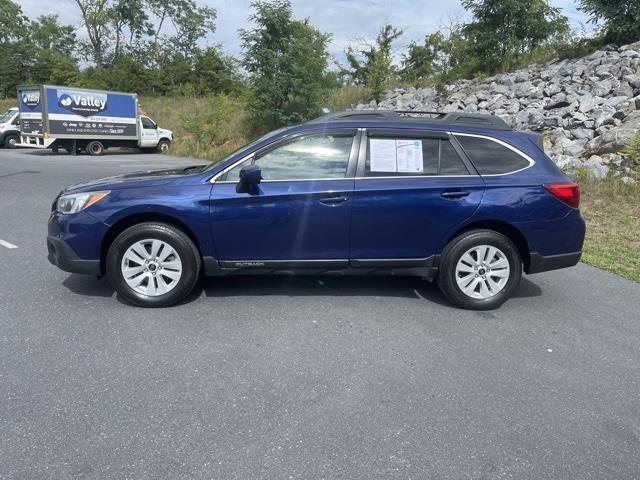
column 480, row 270
column 153, row 265
column 95, row 148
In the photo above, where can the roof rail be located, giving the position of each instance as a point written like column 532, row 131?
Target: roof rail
column 445, row 118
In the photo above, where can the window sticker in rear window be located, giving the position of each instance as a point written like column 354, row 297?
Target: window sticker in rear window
column 396, row 156
column 409, row 154
column 383, row 155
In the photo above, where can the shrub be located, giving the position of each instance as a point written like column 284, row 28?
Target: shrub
column 634, row 151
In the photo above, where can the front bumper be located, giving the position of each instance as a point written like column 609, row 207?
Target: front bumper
column 74, row 242
column 62, row 256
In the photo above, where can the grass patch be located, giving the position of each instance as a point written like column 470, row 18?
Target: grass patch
column 344, row 98
column 611, row 210
column 7, row 103
column 206, row 128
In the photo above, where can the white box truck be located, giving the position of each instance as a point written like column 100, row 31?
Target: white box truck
column 77, row 119
column 10, row 128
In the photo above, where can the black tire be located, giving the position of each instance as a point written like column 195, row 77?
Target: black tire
column 10, row 141
column 453, row 252
column 95, row 148
column 163, row 146
column 178, row 240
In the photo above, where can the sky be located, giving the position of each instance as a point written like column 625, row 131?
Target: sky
column 348, row 20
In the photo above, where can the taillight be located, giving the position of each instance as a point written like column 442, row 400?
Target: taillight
column 569, row 193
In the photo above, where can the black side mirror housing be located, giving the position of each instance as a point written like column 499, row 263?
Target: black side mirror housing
column 250, row 178
column 251, row 175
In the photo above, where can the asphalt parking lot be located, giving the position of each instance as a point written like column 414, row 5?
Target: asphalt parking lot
column 302, row 377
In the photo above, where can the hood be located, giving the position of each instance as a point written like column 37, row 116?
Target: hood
column 149, row 177
column 162, row 132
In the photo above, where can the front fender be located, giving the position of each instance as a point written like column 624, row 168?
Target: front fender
column 188, row 204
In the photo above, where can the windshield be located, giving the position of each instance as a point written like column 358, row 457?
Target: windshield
column 6, row 116
column 245, row 148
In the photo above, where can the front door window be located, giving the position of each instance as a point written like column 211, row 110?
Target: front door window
column 309, row 158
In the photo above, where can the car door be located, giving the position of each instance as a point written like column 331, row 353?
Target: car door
column 148, row 133
column 412, row 189
column 300, row 214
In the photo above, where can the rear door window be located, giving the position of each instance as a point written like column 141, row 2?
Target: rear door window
column 490, row 157
column 397, row 156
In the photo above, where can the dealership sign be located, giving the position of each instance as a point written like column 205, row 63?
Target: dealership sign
column 31, row 99
column 85, row 104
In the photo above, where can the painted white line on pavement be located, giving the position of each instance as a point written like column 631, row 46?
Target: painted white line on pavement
column 7, row 244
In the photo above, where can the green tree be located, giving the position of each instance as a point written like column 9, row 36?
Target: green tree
column 130, row 24
column 96, row 16
column 214, row 72
column 47, row 33
column 503, row 31
column 372, row 65
column 190, row 23
column 286, row 60
column 33, row 52
column 423, row 62
column 13, row 24
column 621, row 18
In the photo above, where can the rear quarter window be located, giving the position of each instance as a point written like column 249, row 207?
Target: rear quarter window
column 490, row 157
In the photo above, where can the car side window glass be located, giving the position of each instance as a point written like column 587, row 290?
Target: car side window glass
column 491, row 158
column 147, row 123
column 430, row 157
column 316, row 157
column 233, row 175
column 450, row 161
column 396, row 156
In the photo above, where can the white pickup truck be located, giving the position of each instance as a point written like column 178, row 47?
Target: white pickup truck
column 10, row 128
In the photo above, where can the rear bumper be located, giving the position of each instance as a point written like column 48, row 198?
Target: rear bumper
column 539, row 263
column 62, row 256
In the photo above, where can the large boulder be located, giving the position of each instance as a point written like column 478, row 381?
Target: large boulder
column 616, row 139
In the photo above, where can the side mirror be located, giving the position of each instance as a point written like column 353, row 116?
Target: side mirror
column 250, row 178
column 251, row 175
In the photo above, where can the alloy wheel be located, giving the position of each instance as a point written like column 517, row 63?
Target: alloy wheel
column 151, row 267
column 482, row 272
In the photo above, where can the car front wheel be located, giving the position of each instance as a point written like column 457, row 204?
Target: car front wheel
column 163, row 146
column 11, row 141
column 153, row 265
column 480, row 270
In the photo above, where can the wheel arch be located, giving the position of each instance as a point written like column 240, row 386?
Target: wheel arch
column 506, row 229
column 136, row 218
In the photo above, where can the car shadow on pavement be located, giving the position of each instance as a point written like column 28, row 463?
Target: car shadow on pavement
column 397, row 287
column 301, row 286
column 88, row 286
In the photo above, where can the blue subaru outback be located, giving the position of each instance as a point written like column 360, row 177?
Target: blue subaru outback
column 457, row 198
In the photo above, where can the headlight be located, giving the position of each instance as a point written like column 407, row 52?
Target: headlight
column 78, row 201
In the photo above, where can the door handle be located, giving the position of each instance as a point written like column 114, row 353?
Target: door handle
column 333, row 201
column 454, row 195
